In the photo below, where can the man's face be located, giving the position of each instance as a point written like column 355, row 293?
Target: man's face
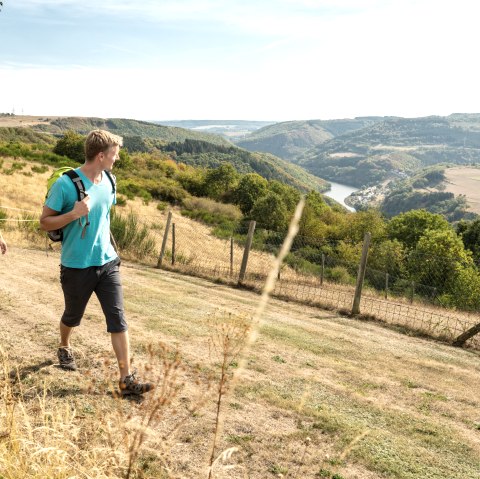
column 109, row 157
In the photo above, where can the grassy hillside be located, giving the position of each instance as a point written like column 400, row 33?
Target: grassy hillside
column 125, row 127
column 395, row 148
column 25, row 135
column 142, row 136
column 290, row 139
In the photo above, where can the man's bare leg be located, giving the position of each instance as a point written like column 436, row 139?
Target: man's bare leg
column 65, row 334
column 121, row 346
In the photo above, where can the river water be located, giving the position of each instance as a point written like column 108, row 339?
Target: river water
column 339, row 192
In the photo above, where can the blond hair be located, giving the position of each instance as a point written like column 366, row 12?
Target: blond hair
column 99, row 141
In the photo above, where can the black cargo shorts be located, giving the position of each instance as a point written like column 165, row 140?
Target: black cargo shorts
column 78, row 286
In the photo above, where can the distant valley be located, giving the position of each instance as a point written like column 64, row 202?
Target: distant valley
column 371, row 152
column 231, row 129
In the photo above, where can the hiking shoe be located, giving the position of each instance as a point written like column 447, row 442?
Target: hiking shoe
column 66, row 359
column 132, row 385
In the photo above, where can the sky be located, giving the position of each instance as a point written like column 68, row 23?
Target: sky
column 273, row 60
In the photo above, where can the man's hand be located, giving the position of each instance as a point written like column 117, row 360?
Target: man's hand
column 81, row 208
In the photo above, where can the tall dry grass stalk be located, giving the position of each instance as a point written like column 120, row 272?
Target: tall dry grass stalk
column 227, row 342
column 251, row 334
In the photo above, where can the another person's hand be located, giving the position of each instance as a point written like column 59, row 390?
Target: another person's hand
column 3, row 245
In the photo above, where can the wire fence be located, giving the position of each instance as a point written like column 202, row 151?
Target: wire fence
column 409, row 292
column 323, row 274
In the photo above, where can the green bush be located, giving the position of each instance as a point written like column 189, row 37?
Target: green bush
column 302, row 265
column 71, row 145
column 215, row 208
column 35, row 152
column 130, row 235
column 40, row 169
column 121, row 200
column 224, row 217
column 339, row 274
column 162, row 206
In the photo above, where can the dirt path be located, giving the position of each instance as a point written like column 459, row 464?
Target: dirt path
column 310, row 373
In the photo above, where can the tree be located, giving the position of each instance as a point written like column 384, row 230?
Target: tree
column 469, row 231
column 362, row 222
column 220, row 182
column 389, row 257
column 437, row 259
column 409, row 227
column 250, row 188
column 72, row 146
column 290, row 195
column 192, row 180
column 465, row 290
column 271, row 212
column 311, row 226
column 125, row 162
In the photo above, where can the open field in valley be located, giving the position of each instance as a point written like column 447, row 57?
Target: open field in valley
column 465, row 181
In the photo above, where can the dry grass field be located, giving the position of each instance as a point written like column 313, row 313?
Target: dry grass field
column 465, row 181
column 24, row 120
column 320, row 396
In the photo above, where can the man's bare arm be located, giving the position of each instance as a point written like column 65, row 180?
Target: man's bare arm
column 52, row 220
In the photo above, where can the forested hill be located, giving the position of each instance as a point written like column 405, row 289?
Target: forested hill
column 125, row 127
column 292, row 138
column 395, row 148
column 208, row 155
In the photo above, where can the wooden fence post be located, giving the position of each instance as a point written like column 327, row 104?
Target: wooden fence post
column 173, row 244
column 470, row 333
column 246, row 252
column 165, row 238
column 412, row 294
column 231, row 256
column 386, row 285
column 322, row 271
column 361, row 274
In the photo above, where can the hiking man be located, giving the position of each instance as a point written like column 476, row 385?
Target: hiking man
column 89, row 262
column 3, row 244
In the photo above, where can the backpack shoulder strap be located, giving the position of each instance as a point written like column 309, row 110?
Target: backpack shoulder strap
column 77, row 181
column 112, row 179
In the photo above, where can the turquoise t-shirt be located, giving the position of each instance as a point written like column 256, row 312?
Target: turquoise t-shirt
column 94, row 249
